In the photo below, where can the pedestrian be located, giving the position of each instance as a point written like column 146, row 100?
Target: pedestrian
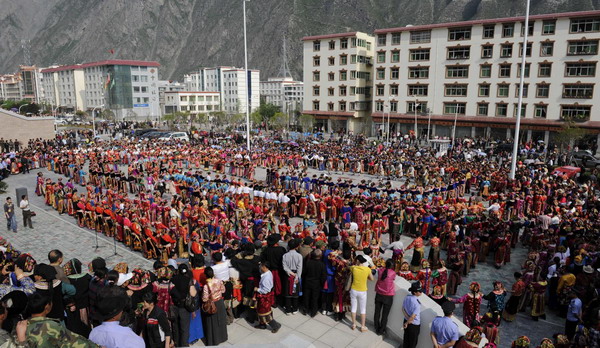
column 444, row 331
column 215, row 324
column 265, row 298
column 411, row 308
column 292, row 266
column 313, row 277
column 384, row 296
column 574, row 314
column 358, row 291
column 9, row 213
column 157, row 330
column 184, row 286
column 24, row 205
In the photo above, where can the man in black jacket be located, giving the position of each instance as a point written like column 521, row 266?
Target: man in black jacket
column 314, row 277
column 273, row 254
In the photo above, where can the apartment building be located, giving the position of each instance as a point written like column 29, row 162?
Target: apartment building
column 10, row 87
column 236, row 90
column 470, row 70
column 127, row 87
column 192, row 102
column 283, row 92
column 25, row 84
column 338, row 80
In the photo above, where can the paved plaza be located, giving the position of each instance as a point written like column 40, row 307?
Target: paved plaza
column 52, row 230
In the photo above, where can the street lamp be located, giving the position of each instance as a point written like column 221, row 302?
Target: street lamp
column 387, row 132
column 454, row 127
column 513, row 162
column 54, row 110
column 247, row 81
column 429, row 126
column 415, row 107
column 94, row 120
column 21, row 107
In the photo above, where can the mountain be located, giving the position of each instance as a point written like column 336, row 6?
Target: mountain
column 186, row 34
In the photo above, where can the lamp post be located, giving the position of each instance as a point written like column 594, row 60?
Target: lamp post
column 54, row 110
column 94, row 120
column 415, row 107
column 513, row 161
column 247, row 81
column 387, row 132
column 429, row 126
column 21, row 107
column 454, row 127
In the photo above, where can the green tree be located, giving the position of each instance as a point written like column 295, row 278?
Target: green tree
column 106, row 114
column 569, row 134
column 219, row 118
column 177, row 117
column 266, row 112
column 279, row 121
column 81, row 114
column 306, row 122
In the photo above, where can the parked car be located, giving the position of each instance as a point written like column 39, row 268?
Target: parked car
column 181, row 136
column 153, row 135
column 585, row 161
column 569, row 171
column 140, row 132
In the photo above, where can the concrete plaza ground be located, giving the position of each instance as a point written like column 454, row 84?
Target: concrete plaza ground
column 52, row 230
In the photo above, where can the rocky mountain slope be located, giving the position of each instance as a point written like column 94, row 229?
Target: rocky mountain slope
column 185, row 34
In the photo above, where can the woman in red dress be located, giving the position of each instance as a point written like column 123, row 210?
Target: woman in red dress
column 471, row 304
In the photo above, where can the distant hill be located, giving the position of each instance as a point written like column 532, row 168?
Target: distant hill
column 186, row 34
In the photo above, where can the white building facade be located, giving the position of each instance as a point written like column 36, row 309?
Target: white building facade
column 283, row 92
column 429, row 75
column 192, row 102
column 233, row 85
column 338, row 80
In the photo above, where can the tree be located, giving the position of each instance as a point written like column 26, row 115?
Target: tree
column 279, row 120
column 81, row 114
column 569, row 134
column 266, row 112
column 106, row 114
column 219, row 118
column 176, row 118
column 306, row 122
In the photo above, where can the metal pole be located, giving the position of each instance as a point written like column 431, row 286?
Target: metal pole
column 429, row 127
column 415, row 106
column 247, row 81
column 513, row 162
column 454, row 127
column 21, row 107
column 94, row 120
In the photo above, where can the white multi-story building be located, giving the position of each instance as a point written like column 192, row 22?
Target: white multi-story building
column 127, row 87
column 283, row 92
column 430, row 74
column 168, row 86
column 338, row 82
column 194, row 102
column 10, row 87
column 231, row 83
column 25, row 84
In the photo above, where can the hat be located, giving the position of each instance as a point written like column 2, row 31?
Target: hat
column 273, row 239
column 588, row 269
column 109, row 307
column 578, row 260
column 121, row 267
column 293, row 244
column 448, row 307
column 319, row 244
column 123, row 277
column 15, row 301
column 25, row 262
column 308, row 240
column 474, row 335
column 522, row 341
column 415, row 287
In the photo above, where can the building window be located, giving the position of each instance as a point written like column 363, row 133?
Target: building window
column 316, row 61
column 395, row 38
column 316, row 76
column 395, row 56
column 484, row 90
column 343, row 91
column 380, row 57
column 525, row 90
column 482, row 109
column 543, row 90
column 506, row 50
column 316, row 46
column 343, row 59
column 330, row 107
column 353, row 42
column 417, row 90
column 549, row 27
column 585, row 25
column 457, row 71
column 183, row 98
column 545, row 70
column 316, row 90
column 418, row 106
column 529, row 45
column 488, row 31
column 575, row 112
column 315, row 105
column 583, row 47
column 418, row 37
column 527, row 68
column 342, row 106
column 331, row 76
column 331, row 61
column 546, row 49
column 343, row 44
column 457, row 34
column 487, row 51
column 343, row 76
column 455, row 90
column 353, row 59
column 393, row 89
column 541, row 111
column 485, row 70
column 379, row 106
column 380, row 73
column 503, row 90
column 508, row 29
column 394, row 106
column 504, row 70
column 380, row 90
column 352, row 74
column 523, row 110
column 459, row 53
column 455, row 108
column 418, row 72
column 419, row 54
column 501, row 110
column 381, row 39
column 530, row 31
column 580, row 69
column 332, row 45
column 352, row 90
column 578, row 91
column 395, row 73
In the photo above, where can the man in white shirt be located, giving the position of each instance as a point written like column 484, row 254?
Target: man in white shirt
column 24, row 205
column 220, row 267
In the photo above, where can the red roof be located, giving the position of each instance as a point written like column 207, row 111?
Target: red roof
column 192, row 92
column 329, row 36
column 103, row 63
column 490, row 21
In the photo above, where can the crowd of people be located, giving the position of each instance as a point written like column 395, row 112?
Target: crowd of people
column 308, row 242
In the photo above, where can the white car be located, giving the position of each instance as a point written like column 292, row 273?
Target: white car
column 181, row 136
column 60, row 121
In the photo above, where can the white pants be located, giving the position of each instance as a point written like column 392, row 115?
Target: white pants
column 358, row 298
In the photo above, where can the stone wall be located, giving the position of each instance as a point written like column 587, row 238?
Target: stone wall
column 15, row 126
